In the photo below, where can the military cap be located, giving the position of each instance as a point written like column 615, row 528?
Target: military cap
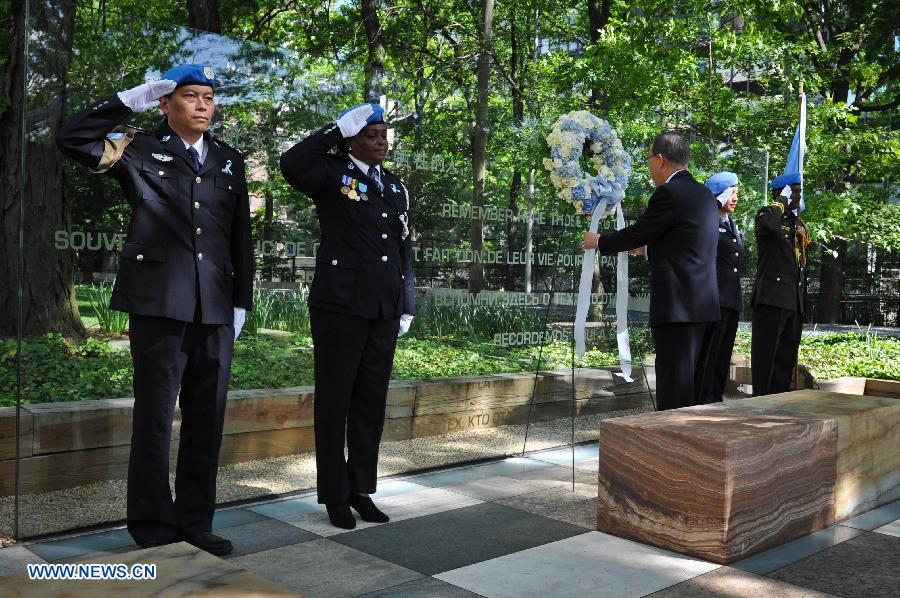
column 191, row 74
column 720, row 181
column 783, row 180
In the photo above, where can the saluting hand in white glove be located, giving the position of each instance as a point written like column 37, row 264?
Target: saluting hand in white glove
column 146, row 95
column 352, row 121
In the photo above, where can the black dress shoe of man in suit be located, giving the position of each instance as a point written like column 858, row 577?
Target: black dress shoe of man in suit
column 211, row 543
column 367, row 509
column 341, row 516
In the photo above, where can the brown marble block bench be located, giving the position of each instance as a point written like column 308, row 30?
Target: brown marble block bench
column 728, row 480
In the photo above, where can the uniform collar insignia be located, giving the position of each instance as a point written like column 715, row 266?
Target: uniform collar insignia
column 227, row 168
column 394, row 188
column 165, row 138
column 163, row 157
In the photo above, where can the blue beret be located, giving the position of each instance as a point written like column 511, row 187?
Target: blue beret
column 377, row 115
column 783, row 180
column 721, row 181
column 191, row 74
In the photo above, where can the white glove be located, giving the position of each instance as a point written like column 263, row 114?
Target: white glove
column 146, row 95
column 405, row 323
column 354, row 120
column 240, row 315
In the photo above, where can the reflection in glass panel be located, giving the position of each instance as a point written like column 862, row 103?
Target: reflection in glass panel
column 485, row 371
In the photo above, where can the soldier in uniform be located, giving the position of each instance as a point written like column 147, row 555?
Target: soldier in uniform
column 185, row 279
column 361, row 299
column 730, row 256
column 781, row 240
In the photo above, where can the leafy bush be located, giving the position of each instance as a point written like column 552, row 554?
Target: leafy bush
column 111, row 322
column 279, row 310
column 57, row 369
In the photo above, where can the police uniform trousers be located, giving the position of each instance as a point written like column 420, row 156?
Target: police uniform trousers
column 353, row 360
column 169, row 355
column 679, row 364
column 719, row 346
column 776, row 341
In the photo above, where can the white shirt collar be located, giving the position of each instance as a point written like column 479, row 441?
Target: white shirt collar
column 673, row 174
column 363, row 166
column 199, row 145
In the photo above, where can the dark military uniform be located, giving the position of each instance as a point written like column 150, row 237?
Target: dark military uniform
column 730, row 257
column 186, row 263
column 781, row 240
column 363, row 284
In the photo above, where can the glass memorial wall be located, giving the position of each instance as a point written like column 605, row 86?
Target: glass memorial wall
column 487, row 370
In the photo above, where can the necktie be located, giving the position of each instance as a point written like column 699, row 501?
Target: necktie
column 195, row 158
column 373, row 174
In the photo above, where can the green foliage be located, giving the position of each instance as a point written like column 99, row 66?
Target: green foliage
column 279, row 310
column 56, row 369
column 112, row 322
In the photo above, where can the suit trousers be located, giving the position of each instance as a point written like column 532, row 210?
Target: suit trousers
column 776, row 341
column 720, row 344
column 170, row 355
column 353, row 360
column 678, row 363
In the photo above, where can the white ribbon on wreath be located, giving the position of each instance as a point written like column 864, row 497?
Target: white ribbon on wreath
column 598, row 196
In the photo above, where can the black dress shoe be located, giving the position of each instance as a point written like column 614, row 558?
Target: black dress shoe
column 209, row 542
column 341, row 516
column 367, row 509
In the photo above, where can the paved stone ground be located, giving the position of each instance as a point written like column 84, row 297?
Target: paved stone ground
column 514, row 527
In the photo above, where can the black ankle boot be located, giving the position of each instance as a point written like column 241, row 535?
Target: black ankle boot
column 341, row 516
column 367, row 509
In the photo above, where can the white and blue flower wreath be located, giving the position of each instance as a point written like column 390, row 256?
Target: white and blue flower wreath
column 606, row 189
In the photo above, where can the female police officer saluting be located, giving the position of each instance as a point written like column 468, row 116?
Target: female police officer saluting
column 361, row 299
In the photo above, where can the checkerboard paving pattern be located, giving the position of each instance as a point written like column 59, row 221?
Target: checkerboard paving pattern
column 523, row 526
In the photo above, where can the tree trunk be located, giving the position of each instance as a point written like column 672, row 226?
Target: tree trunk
column 373, row 87
column 828, row 310
column 515, row 186
column 204, row 15
column 268, row 218
column 598, row 17
column 479, row 144
column 45, row 274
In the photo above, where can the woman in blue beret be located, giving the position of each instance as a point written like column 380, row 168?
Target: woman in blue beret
column 730, row 257
column 361, row 299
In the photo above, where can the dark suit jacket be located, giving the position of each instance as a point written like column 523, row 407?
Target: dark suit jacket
column 189, row 234
column 779, row 280
column 730, row 259
column 679, row 228
column 364, row 262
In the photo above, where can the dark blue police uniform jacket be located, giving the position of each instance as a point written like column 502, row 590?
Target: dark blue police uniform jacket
column 364, row 262
column 730, row 257
column 189, row 234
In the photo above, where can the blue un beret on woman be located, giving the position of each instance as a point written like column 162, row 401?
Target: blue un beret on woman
column 721, row 181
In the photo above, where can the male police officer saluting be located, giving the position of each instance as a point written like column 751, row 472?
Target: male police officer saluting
column 361, row 298
column 781, row 240
column 185, row 279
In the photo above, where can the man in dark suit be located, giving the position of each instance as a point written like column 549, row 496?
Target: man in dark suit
column 679, row 230
column 781, row 240
column 730, row 256
column 185, row 279
column 361, row 298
